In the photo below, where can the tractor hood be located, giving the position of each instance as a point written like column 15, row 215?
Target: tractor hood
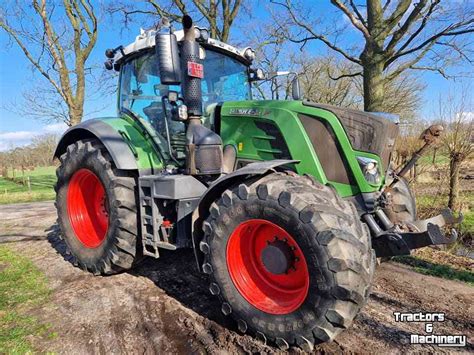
column 368, row 132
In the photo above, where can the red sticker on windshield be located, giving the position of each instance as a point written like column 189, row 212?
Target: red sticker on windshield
column 196, row 70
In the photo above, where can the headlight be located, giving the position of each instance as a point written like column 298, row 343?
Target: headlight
column 369, row 169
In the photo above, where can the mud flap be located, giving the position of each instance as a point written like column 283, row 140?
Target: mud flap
column 392, row 243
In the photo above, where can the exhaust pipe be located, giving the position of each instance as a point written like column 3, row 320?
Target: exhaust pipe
column 193, row 70
column 203, row 146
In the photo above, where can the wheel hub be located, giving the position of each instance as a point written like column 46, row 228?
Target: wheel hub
column 88, row 208
column 267, row 266
column 278, row 257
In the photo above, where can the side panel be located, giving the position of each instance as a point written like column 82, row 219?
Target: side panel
column 239, row 126
column 248, row 131
column 125, row 141
column 147, row 156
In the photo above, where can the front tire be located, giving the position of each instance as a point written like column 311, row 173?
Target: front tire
column 289, row 259
column 402, row 208
column 97, row 210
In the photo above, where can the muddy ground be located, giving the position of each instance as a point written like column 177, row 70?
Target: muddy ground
column 164, row 306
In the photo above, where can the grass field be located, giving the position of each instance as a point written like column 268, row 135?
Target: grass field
column 427, row 203
column 22, row 286
column 42, row 180
column 433, row 269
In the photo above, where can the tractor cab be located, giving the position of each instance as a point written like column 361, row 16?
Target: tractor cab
column 141, row 91
column 222, row 71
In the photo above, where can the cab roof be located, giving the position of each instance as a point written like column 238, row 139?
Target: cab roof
column 146, row 40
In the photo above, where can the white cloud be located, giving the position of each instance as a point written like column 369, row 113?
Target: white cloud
column 465, row 116
column 21, row 138
column 59, row 127
column 18, row 135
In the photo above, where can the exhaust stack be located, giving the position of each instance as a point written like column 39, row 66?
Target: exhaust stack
column 193, row 70
column 203, row 146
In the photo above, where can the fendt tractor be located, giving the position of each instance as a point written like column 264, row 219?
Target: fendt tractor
column 287, row 204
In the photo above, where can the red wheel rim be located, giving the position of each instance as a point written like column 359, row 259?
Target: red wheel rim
column 267, row 291
column 87, row 208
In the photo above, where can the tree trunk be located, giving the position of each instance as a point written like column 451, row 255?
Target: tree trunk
column 373, row 86
column 454, row 167
column 75, row 116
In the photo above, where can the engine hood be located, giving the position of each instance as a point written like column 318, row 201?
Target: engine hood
column 367, row 131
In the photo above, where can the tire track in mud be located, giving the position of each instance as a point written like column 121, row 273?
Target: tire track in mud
column 164, row 305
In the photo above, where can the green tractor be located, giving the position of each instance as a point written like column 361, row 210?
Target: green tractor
column 286, row 204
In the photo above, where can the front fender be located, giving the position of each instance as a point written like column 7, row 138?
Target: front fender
column 118, row 149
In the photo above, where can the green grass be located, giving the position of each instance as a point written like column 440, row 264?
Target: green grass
column 426, row 203
column 441, row 159
column 433, row 269
column 22, row 286
column 42, row 180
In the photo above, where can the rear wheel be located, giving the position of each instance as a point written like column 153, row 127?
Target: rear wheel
column 97, row 210
column 288, row 258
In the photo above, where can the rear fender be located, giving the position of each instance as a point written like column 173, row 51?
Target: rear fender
column 214, row 191
column 129, row 148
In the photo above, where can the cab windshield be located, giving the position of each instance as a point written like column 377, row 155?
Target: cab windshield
column 225, row 79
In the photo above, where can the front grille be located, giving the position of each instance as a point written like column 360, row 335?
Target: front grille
column 328, row 150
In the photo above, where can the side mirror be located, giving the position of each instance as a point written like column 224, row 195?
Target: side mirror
column 295, row 88
column 257, row 74
column 166, row 50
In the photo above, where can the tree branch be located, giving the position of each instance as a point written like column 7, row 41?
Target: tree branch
column 357, row 12
column 314, row 35
column 411, row 19
column 435, row 69
column 355, row 22
column 395, row 17
column 351, row 75
column 28, row 55
column 451, row 30
column 422, row 25
column 410, row 63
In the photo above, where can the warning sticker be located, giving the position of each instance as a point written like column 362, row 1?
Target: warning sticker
column 195, row 70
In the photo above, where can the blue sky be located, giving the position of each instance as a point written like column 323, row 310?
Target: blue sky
column 16, row 75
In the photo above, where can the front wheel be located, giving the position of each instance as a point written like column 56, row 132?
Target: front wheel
column 289, row 259
column 97, row 210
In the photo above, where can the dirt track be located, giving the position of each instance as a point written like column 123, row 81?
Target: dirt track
column 164, row 305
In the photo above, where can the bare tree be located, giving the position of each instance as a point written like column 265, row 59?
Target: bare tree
column 43, row 148
column 395, row 36
column 318, row 81
column 57, row 39
column 458, row 118
column 219, row 15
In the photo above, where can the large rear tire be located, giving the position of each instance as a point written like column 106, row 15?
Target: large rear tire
column 288, row 258
column 97, row 210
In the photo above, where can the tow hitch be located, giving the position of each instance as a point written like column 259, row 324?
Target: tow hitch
column 425, row 232
column 390, row 239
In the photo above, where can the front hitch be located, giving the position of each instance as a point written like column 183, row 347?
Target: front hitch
column 424, row 233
